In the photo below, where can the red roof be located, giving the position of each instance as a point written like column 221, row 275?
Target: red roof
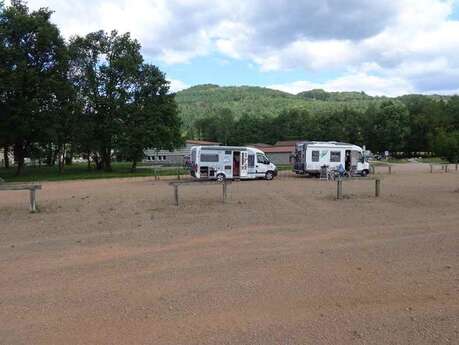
column 259, row 145
column 277, row 149
column 201, row 142
column 288, row 142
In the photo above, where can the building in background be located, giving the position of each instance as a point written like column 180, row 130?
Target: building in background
column 281, row 152
column 2, row 158
column 176, row 157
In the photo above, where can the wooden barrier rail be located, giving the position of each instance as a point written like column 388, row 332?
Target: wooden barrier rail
column 30, row 187
column 444, row 167
column 373, row 168
column 177, row 184
column 339, row 187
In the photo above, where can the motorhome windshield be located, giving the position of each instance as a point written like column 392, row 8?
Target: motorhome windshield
column 261, row 158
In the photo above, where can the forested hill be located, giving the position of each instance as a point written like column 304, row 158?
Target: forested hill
column 205, row 100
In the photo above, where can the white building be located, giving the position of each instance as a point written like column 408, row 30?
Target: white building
column 2, row 158
column 176, row 157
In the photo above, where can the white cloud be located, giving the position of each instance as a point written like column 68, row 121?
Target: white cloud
column 372, row 85
column 396, row 44
column 177, row 85
column 312, row 55
column 296, row 86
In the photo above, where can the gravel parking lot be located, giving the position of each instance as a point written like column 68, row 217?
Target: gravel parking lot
column 282, row 262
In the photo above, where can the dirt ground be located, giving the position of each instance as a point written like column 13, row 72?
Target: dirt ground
column 282, row 262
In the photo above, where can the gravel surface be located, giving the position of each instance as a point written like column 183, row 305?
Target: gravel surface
column 282, row 262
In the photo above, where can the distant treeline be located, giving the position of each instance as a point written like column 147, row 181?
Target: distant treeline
column 408, row 124
column 92, row 96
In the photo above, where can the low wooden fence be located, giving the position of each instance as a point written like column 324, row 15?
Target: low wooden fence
column 196, row 183
column 443, row 167
column 31, row 187
column 339, row 186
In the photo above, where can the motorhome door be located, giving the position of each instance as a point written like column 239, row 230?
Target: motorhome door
column 251, row 164
column 244, row 164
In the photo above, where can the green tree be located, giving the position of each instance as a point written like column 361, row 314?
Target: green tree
column 452, row 113
column 250, row 129
column 292, row 124
column 218, row 126
column 387, row 127
column 425, row 117
column 31, row 54
column 151, row 120
column 105, row 69
column 341, row 125
column 447, row 145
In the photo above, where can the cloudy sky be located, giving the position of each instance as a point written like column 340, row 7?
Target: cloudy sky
column 388, row 47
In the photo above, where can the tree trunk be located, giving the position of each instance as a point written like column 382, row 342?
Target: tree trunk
column 54, row 157
column 89, row 160
column 19, row 158
column 133, row 166
column 61, row 158
column 107, row 159
column 49, row 155
column 6, row 150
column 69, row 156
column 99, row 163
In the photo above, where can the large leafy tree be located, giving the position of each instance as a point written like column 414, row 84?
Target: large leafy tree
column 387, row 127
column 292, row 124
column 151, row 118
column 446, row 145
column 218, row 126
column 425, row 117
column 451, row 119
column 127, row 106
column 32, row 55
column 105, row 69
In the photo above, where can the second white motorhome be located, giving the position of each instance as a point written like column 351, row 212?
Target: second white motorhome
column 311, row 156
column 230, row 162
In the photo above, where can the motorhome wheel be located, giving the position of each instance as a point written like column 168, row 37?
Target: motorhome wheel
column 269, row 175
column 220, row 177
column 364, row 173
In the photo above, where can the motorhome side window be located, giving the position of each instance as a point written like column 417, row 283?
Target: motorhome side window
column 193, row 155
column 251, row 161
column 315, row 156
column 335, row 156
column 262, row 159
column 207, row 157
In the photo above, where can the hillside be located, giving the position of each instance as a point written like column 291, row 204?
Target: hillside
column 202, row 100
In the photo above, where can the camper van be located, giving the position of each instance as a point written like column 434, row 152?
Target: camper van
column 311, row 156
column 230, row 162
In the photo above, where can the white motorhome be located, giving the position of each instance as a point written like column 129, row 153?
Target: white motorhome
column 229, row 162
column 311, row 156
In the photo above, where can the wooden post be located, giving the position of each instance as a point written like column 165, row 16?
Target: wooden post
column 176, row 195
column 446, row 168
column 339, row 189
column 224, row 191
column 390, row 169
column 156, row 174
column 33, row 201
column 372, row 168
column 431, row 168
column 178, row 173
column 377, row 187
column 456, row 166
